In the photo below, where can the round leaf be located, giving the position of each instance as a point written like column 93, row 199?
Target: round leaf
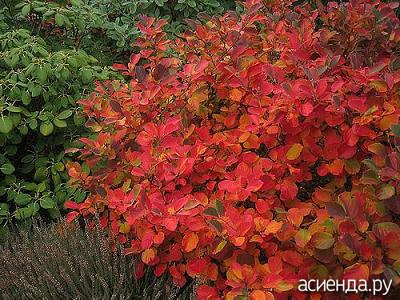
column 47, row 203
column 323, row 240
column 46, row 128
column 7, row 168
column 294, row 152
column 6, row 124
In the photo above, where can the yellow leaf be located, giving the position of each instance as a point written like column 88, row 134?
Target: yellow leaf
column 220, row 246
column 379, row 85
column 294, row 152
column 124, row 228
column 280, row 64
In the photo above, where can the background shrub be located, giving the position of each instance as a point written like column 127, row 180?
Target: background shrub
column 64, row 262
column 38, row 121
column 255, row 151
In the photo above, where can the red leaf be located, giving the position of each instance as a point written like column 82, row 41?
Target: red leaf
column 71, row 216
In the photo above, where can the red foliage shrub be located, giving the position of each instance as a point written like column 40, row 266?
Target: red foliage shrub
column 255, row 150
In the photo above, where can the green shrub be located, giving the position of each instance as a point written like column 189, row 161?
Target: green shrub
column 106, row 28
column 64, row 262
column 38, row 121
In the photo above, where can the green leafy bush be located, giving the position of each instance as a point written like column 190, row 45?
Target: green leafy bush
column 64, row 262
column 106, row 27
column 38, row 121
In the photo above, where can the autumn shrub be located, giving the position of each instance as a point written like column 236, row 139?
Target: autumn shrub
column 254, row 150
column 51, row 53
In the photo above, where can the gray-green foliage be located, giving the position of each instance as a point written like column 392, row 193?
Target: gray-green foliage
column 65, row 262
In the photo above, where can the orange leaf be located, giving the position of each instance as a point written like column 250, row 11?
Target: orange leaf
column 251, row 142
column 190, row 241
column 302, row 237
column 159, row 238
column 244, row 136
column 273, row 227
column 238, row 241
column 352, row 166
column 379, row 85
column 387, row 122
column 336, row 167
column 322, row 195
column 357, row 271
column 236, row 95
column 261, row 295
column 295, row 216
column 149, row 255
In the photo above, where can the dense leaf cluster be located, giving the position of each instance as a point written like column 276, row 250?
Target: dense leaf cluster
column 51, row 52
column 254, row 150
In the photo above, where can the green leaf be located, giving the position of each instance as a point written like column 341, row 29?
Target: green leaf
column 64, row 114
column 159, row 3
column 36, row 90
column 217, row 225
column 59, row 18
column 47, row 203
column 41, row 187
column 7, row 168
column 72, row 62
column 210, row 211
column 46, row 128
column 6, row 124
column 76, row 2
column 41, row 75
column 14, row 109
column 192, row 3
column 41, row 174
column 4, row 209
column 220, row 247
column 27, row 158
column 26, row 10
column 220, row 208
column 33, row 124
column 323, row 240
column 60, row 123
column 59, row 166
column 22, row 199
column 396, row 129
column 87, row 75
column 26, row 212
column 386, row 191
